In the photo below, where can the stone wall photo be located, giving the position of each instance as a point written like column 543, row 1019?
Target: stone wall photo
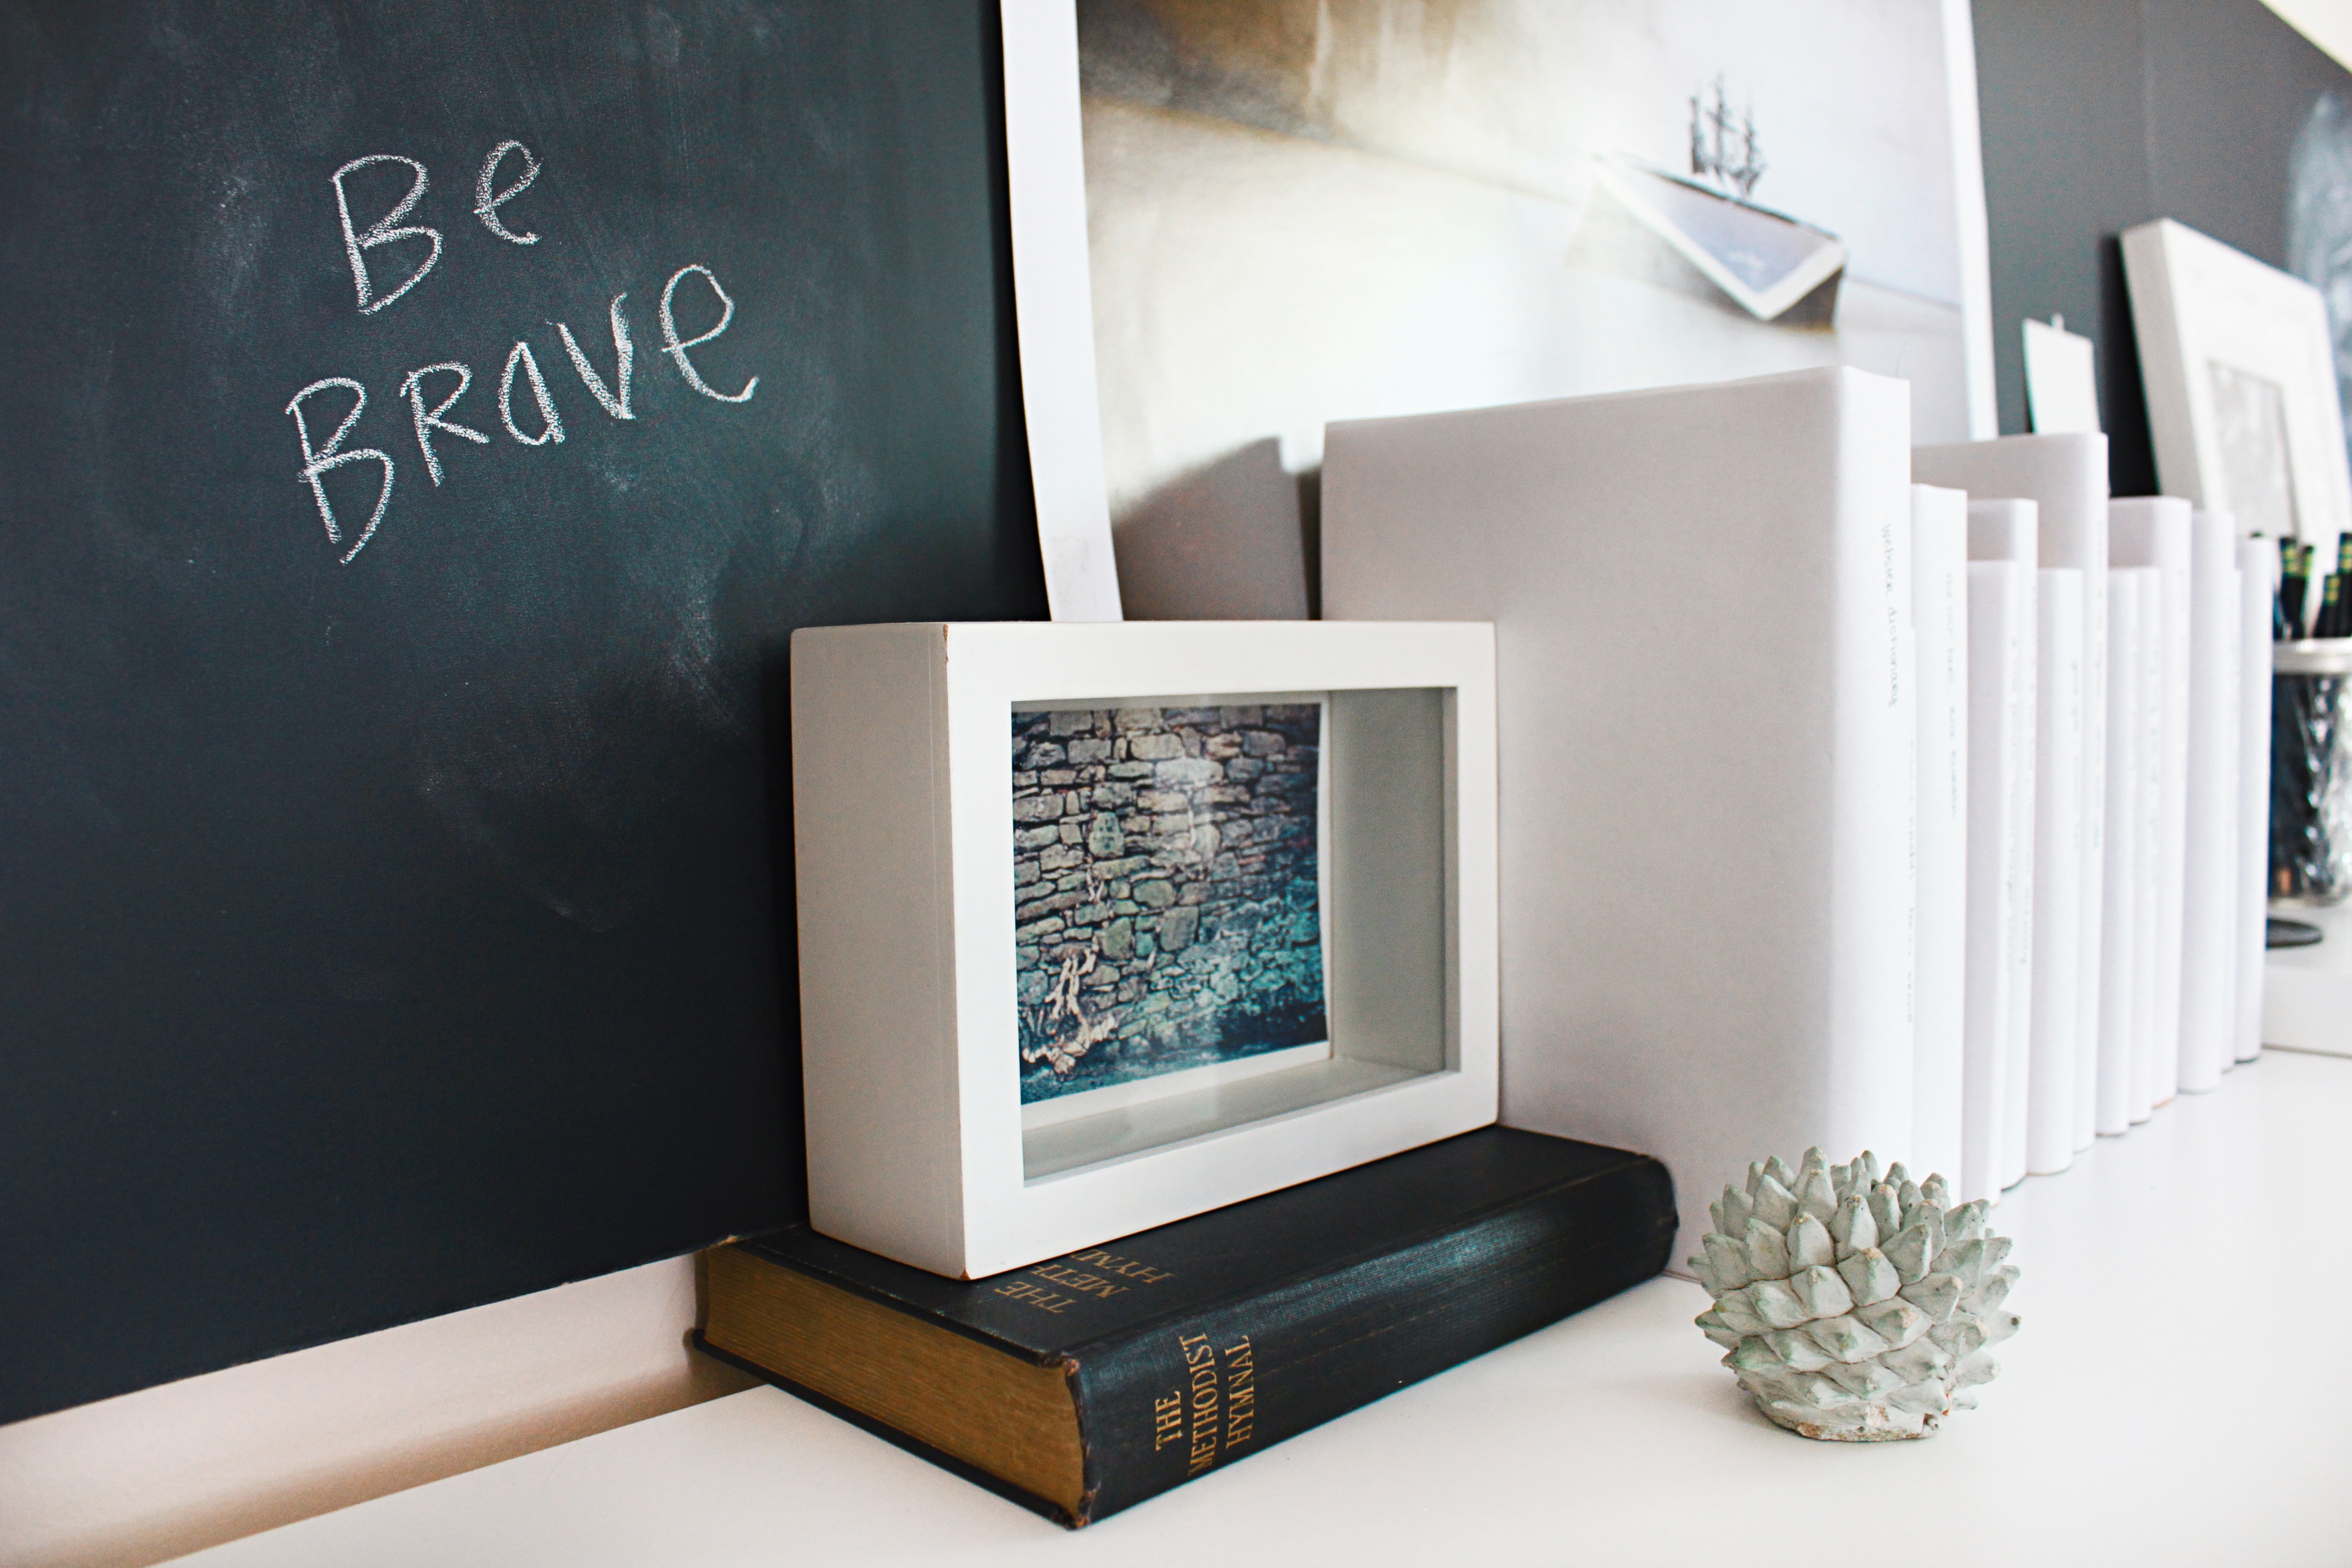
column 1166, row 903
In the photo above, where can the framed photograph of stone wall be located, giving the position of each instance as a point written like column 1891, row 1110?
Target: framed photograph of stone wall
column 1102, row 925
column 1169, row 882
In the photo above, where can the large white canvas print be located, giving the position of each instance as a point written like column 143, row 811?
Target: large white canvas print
column 1307, row 210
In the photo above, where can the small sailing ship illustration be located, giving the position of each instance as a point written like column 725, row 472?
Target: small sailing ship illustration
column 1713, row 159
column 1775, row 267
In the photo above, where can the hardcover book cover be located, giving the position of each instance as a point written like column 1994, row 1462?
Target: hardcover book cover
column 1082, row 1384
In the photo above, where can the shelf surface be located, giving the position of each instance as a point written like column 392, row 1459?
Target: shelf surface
column 2153, row 1410
column 2307, row 991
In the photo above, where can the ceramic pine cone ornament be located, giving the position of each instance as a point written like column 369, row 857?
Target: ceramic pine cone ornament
column 1854, row 1307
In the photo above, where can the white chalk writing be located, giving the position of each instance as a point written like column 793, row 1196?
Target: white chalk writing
column 550, row 425
column 677, row 350
column 429, row 421
column 430, row 418
column 317, row 461
column 487, row 206
column 615, row 398
column 381, row 232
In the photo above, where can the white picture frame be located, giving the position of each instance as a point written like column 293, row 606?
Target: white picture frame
column 2239, row 362
column 904, row 845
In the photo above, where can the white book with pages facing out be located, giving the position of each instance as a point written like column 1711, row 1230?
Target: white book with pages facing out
column 2060, row 970
column 1999, row 842
column 2257, row 562
column 2130, row 775
column 2148, row 964
column 2152, row 531
column 2008, row 532
column 1940, row 619
column 1707, row 838
column 2066, row 476
column 2210, row 895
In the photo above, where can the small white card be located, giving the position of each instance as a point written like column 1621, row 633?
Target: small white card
column 2061, row 393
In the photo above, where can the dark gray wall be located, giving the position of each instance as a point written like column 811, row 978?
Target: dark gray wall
column 382, row 937
column 2101, row 114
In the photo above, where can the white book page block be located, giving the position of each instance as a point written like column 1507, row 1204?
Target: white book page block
column 2111, row 1088
column 2152, row 531
column 1939, row 577
column 2210, row 895
column 2058, row 848
column 2257, row 566
column 2009, row 530
column 2001, row 689
column 2150, row 1046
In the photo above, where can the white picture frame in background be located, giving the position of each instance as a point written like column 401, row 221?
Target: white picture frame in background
column 934, row 768
column 2242, row 393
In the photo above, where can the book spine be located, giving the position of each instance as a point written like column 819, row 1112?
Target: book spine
column 1873, row 786
column 2009, row 532
column 2111, row 1088
column 2172, row 824
column 2254, row 558
column 2023, row 849
column 1183, row 1398
column 1940, row 568
column 2147, row 921
column 2087, row 550
column 2000, row 598
column 2057, row 875
column 2208, row 952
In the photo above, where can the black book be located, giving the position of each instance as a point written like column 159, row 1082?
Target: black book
column 1083, row 1385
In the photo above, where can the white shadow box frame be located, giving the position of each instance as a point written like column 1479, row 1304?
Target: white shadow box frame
column 904, row 843
column 2239, row 364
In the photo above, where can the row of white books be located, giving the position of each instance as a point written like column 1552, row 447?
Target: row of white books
column 2108, row 846
column 1836, row 808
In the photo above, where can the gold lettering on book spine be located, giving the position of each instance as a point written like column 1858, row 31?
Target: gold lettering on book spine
column 1088, row 1284
column 1111, row 1263
column 1037, row 1296
column 1201, row 1403
column 1167, row 1419
column 1216, row 1410
column 1241, row 1393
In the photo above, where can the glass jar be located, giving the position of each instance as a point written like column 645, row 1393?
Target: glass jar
column 2311, row 772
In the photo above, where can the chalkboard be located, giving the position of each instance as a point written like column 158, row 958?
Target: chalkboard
column 423, row 427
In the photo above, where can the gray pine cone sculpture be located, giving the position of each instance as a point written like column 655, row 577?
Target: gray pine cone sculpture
column 1854, row 1307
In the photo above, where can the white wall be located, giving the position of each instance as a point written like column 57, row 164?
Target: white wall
column 2327, row 22
column 151, row 1475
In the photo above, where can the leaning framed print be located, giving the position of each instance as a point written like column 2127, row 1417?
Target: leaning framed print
column 1106, row 924
column 1235, row 224
column 2242, row 393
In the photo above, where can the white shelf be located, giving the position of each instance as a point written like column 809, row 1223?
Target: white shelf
column 2156, row 1409
column 2307, row 991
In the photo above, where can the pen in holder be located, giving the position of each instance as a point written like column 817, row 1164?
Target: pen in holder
column 2311, row 776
